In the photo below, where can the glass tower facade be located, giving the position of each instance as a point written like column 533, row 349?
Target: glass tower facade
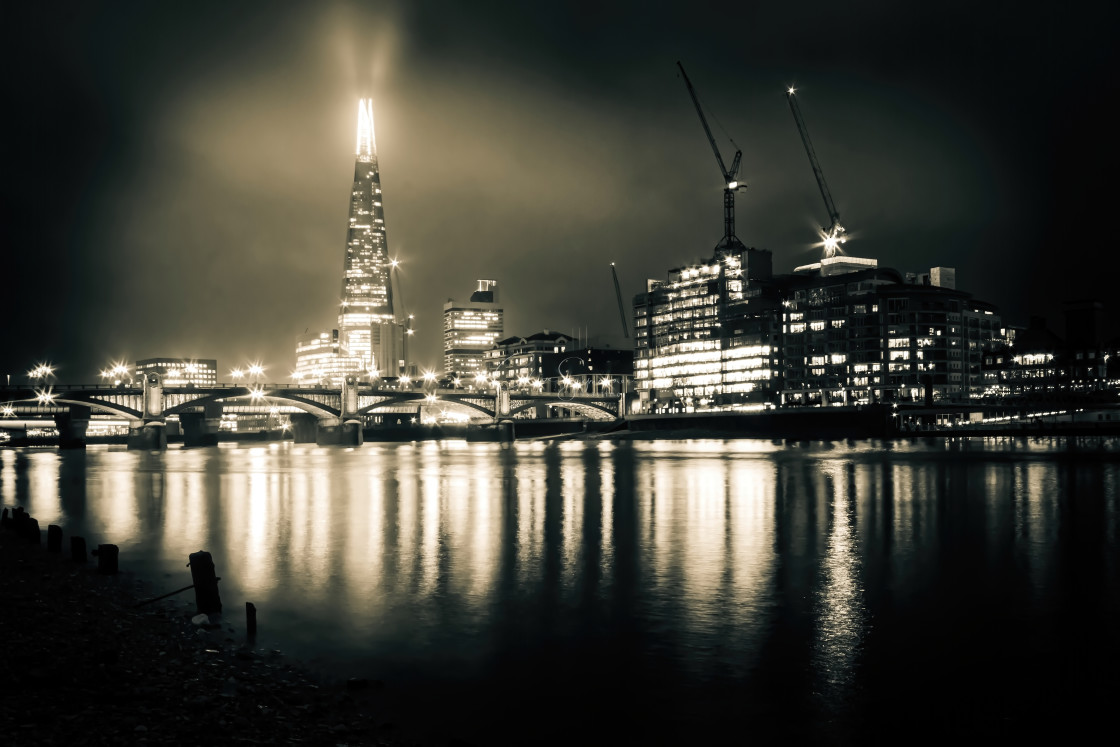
column 367, row 295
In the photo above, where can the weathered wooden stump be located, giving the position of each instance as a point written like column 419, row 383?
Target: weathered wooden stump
column 250, row 619
column 31, row 531
column 54, row 538
column 206, row 595
column 78, row 549
column 107, row 559
column 5, row 520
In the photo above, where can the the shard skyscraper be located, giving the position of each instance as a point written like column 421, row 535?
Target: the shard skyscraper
column 366, row 310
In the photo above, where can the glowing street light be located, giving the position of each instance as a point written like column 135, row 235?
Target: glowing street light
column 256, row 370
column 256, row 393
column 44, row 396
column 8, row 411
column 236, row 374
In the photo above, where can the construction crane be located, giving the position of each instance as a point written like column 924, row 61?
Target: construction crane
column 833, row 235
column 731, row 183
column 621, row 310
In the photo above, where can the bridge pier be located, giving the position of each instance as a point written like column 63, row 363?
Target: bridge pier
column 201, row 428
column 338, row 433
column 72, row 426
column 304, row 427
column 150, row 436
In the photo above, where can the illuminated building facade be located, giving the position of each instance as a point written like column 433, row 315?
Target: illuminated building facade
column 367, row 297
column 543, row 361
column 870, row 336
column 726, row 334
column 321, row 359
column 180, row 371
column 707, row 338
column 470, row 329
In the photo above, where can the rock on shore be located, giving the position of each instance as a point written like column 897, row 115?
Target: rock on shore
column 81, row 664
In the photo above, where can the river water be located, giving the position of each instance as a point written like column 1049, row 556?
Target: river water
column 650, row 592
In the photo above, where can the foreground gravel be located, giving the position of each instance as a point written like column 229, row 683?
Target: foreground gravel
column 81, row 664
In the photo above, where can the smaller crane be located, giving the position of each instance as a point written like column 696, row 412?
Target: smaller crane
column 834, row 234
column 621, row 311
column 731, row 183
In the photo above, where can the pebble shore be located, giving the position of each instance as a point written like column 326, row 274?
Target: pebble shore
column 82, row 664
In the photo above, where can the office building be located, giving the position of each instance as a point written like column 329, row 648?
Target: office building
column 321, row 359
column 470, row 329
column 180, row 371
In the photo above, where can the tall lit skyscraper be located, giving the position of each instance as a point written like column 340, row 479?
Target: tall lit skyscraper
column 367, row 294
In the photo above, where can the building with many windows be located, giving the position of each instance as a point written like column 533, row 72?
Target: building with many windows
column 550, row 361
column 707, row 337
column 470, row 329
column 321, row 359
column 180, row 371
column 726, row 334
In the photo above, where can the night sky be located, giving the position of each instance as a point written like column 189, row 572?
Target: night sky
column 177, row 175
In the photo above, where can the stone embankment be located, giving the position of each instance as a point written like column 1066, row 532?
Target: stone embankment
column 82, row 664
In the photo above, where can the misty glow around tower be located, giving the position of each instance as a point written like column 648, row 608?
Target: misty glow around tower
column 369, row 338
column 367, row 296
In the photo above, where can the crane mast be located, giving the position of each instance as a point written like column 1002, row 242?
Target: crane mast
column 834, row 234
column 621, row 310
column 730, row 182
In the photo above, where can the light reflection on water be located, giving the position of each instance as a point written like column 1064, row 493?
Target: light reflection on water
column 792, row 575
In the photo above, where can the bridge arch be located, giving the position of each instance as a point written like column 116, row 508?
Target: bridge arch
column 420, row 399
column 592, row 409
column 307, row 405
column 93, row 404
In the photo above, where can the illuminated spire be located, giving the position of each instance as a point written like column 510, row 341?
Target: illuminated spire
column 367, row 146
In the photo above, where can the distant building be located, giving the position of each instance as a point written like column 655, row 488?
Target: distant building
column 550, row 361
column 180, row 371
column 322, row 359
column 470, row 329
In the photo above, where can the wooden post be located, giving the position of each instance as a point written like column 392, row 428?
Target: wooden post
column 250, row 620
column 54, row 538
column 5, row 520
column 107, row 559
column 206, row 596
column 78, row 549
column 31, row 531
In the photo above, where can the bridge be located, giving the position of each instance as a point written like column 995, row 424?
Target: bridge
column 329, row 415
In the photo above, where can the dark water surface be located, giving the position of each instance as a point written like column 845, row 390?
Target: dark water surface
column 657, row 592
